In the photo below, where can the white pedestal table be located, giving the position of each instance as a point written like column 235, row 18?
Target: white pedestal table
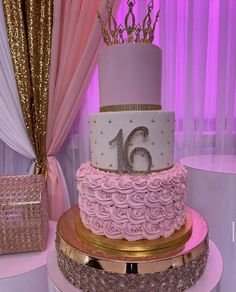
column 211, row 189
column 207, row 282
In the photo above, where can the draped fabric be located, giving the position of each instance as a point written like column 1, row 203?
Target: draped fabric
column 76, row 39
column 12, row 128
column 199, row 75
column 29, row 25
column 75, row 43
column 76, row 148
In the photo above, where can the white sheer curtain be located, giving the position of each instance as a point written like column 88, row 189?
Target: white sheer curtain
column 199, row 74
column 13, row 135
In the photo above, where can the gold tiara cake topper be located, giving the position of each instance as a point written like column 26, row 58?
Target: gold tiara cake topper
column 131, row 32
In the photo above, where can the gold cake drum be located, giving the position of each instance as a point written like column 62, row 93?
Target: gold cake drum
column 88, row 262
column 138, row 247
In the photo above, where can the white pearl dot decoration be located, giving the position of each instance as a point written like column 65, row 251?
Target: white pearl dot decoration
column 107, row 126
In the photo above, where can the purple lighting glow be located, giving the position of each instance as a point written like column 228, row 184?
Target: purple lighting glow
column 198, row 43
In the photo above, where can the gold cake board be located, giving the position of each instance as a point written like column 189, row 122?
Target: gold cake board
column 157, row 246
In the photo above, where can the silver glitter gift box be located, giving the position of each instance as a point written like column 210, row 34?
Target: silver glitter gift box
column 23, row 213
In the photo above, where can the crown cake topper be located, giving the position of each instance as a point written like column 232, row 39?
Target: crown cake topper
column 131, row 32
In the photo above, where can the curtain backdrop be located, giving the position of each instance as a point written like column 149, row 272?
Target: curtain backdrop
column 199, row 74
column 12, row 128
column 75, row 43
column 29, row 25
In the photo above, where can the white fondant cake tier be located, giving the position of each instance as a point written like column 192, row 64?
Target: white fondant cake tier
column 130, row 74
column 132, row 207
column 159, row 142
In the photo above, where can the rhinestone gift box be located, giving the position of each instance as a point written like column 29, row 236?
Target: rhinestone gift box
column 23, row 213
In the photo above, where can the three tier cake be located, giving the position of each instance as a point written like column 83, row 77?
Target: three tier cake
column 132, row 230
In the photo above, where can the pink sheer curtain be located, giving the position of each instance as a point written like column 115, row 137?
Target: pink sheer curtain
column 75, row 43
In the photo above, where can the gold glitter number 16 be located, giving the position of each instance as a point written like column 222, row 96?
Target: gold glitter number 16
column 123, row 161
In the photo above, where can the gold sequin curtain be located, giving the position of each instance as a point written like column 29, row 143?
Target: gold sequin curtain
column 29, row 26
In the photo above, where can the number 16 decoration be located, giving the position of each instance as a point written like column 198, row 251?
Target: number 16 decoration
column 124, row 161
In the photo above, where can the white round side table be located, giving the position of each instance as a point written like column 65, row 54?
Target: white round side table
column 207, row 282
column 211, row 190
column 26, row 272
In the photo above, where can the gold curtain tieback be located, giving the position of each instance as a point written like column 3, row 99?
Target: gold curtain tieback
column 41, row 166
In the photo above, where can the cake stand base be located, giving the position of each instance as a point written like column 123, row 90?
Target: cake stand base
column 208, row 281
column 94, row 268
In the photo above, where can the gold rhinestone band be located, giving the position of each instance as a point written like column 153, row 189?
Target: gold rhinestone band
column 136, row 172
column 152, row 264
column 90, row 277
column 130, row 107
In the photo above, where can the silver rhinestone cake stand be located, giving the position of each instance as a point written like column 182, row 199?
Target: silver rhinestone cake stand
column 92, row 267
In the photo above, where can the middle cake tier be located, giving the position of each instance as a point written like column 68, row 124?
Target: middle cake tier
column 107, row 129
column 132, row 207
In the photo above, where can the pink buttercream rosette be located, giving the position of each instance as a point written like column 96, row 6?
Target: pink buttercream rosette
column 132, row 207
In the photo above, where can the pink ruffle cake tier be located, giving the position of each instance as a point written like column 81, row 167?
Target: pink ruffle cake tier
column 132, row 207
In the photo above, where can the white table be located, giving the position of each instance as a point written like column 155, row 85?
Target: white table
column 211, row 190
column 26, row 272
column 207, row 282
